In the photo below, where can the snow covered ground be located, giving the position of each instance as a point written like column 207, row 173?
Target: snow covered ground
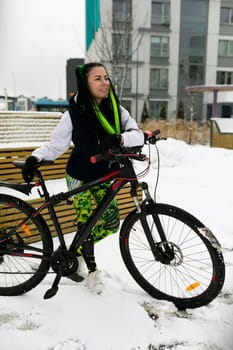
column 196, row 178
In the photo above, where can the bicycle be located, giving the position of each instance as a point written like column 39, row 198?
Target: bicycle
column 167, row 251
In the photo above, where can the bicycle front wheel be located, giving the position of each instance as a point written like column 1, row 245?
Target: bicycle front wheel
column 25, row 247
column 192, row 276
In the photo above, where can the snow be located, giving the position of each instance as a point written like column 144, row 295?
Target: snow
column 225, row 125
column 193, row 177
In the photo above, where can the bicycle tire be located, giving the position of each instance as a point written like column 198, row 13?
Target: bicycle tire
column 25, row 255
column 196, row 275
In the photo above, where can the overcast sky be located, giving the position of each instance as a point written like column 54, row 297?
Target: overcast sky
column 36, row 39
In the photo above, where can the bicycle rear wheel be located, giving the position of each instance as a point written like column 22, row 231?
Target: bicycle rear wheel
column 194, row 275
column 25, row 247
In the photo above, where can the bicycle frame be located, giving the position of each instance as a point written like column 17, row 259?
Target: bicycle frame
column 118, row 178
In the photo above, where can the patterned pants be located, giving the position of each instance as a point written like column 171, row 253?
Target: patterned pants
column 83, row 204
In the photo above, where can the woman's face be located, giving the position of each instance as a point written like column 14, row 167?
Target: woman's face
column 98, row 83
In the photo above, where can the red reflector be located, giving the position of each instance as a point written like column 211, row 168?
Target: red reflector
column 214, row 279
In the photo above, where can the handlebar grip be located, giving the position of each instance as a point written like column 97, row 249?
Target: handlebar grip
column 151, row 136
column 97, row 158
column 147, row 134
column 156, row 132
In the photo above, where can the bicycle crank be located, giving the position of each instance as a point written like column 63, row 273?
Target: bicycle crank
column 64, row 263
column 65, row 258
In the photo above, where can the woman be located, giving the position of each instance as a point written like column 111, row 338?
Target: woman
column 94, row 122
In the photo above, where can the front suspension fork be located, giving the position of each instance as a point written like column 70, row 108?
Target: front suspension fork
column 161, row 250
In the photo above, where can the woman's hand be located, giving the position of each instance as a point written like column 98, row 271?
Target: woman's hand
column 29, row 168
column 114, row 140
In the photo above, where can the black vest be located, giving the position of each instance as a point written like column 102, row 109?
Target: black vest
column 85, row 140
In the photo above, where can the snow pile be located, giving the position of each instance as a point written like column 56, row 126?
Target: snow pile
column 33, row 126
column 124, row 317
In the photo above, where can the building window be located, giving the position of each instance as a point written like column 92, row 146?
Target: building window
column 160, row 13
column 225, row 48
column 158, row 109
column 226, row 15
column 196, row 73
column 121, row 45
column 159, row 46
column 158, row 78
column 196, row 69
column 224, row 78
column 122, row 11
column 226, row 111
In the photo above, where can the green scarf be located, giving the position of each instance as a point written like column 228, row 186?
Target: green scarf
column 110, row 129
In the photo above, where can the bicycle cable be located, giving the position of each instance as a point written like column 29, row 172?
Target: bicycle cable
column 158, row 173
column 145, row 171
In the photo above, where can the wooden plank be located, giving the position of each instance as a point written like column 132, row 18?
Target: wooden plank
column 8, row 172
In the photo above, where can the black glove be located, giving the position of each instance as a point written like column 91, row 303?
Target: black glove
column 109, row 142
column 29, row 168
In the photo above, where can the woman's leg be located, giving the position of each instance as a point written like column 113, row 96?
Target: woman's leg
column 109, row 224
column 110, row 220
column 83, row 208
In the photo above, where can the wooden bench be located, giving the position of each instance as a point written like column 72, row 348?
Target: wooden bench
column 65, row 212
column 8, row 172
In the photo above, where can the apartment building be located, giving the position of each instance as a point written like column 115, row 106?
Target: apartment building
column 154, row 49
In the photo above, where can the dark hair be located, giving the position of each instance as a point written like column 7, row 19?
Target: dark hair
column 82, row 71
column 85, row 99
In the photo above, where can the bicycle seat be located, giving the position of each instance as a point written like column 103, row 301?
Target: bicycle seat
column 20, row 163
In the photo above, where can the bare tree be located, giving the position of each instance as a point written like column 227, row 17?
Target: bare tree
column 113, row 44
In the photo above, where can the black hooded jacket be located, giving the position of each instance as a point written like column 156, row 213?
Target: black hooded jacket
column 86, row 136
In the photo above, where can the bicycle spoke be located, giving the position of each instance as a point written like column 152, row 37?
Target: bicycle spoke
column 172, row 279
column 185, row 268
column 24, row 250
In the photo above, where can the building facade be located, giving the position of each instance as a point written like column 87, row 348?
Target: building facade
column 154, row 49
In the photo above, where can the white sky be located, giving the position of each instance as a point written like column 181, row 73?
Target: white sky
column 36, row 39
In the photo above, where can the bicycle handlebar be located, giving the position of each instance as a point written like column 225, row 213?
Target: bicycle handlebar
column 152, row 136
column 118, row 154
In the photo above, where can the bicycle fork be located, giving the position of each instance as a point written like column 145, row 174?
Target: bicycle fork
column 162, row 251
